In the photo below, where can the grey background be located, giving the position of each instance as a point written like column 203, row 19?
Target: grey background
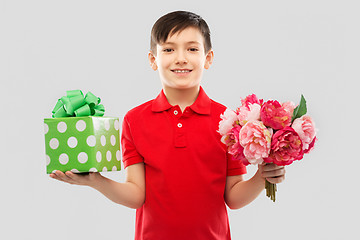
column 276, row 49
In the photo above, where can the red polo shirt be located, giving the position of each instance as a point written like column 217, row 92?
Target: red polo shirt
column 185, row 169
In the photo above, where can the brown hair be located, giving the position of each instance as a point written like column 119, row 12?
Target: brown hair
column 177, row 21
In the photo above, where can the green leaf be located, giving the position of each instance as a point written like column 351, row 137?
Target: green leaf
column 301, row 109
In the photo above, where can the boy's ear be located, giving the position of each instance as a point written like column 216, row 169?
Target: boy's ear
column 209, row 59
column 152, row 61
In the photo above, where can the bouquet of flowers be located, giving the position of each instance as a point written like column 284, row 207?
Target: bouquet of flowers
column 270, row 132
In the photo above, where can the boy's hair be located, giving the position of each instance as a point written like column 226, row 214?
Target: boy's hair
column 177, row 21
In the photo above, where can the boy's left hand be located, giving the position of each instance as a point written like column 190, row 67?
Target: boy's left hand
column 272, row 172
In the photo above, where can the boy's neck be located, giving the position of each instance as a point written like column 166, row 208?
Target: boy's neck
column 181, row 97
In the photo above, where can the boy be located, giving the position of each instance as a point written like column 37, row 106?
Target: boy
column 179, row 176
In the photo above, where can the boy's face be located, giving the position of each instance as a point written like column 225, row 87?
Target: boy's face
column 181, row 59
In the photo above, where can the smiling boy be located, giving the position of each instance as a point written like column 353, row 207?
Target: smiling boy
column 180, row 60
column 179, row 176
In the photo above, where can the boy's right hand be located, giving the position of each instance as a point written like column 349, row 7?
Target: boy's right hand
column 77, row 179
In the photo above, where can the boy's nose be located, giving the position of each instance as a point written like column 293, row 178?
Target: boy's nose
column 181, row 59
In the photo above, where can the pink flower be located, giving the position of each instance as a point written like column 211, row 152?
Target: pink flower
column 248, row 113
column 256, row 141
column 289, row 107
column 228, row 119
column 238, row 153
column 235, row 148
column 249, row 109
column 305, row 127
column 251, row 99
column 232, row 136
column 286, row 147
column 311, row 145
column 275, row 115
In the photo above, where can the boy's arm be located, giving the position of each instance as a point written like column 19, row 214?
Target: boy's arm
column 131, row 193
column 239, row 193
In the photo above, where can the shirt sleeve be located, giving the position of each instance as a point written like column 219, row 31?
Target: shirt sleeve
column 234, row 167
column 129, row 151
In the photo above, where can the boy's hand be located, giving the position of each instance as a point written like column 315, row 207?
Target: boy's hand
column 77, row 179
column 272, row 172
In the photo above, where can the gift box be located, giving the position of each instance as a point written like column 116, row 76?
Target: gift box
column 82, row 144
column 79, row 139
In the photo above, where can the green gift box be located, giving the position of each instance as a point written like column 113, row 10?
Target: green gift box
column 82, row 144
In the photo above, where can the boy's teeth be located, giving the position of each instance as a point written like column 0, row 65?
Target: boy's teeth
column 181, row 71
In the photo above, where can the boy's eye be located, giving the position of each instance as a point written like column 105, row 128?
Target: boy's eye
column 167, row 50
column 193, row 49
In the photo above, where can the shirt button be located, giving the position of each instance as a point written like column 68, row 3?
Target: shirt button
column 176, row 112
column 179, row 125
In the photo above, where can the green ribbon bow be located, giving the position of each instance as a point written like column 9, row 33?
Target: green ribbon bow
column 74, row 104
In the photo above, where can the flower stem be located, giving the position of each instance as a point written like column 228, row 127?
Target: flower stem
column 270, row 190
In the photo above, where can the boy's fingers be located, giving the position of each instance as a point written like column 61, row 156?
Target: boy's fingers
column 276, row 180
column 271, row 167
column 62, row 177
column 70, row 175
column 274, row 173
column 73, row 177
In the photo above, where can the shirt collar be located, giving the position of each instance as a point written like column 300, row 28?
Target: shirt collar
column 201, row 105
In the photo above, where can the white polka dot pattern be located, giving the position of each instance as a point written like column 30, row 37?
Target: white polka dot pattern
column 103, row 140
column 91, row 141
column 82, row 144
column 96, row 124
column 98, row 156
column 108, row 156
column 113, row 140
column 118, row 155
column 80, row 125
column 61, row 127
column 63, row 158
column 46, row 128
column 107, row 124
column 82, row 157
column 54, row 143
column 47, row 160
column 72, row 142
column 116, row 125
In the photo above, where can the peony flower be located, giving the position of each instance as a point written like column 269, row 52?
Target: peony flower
column 249, row 109
column 235, row 148
column 238, row 153
column 286, row 147
column 255, row 138
column 289, row 107
column 232, row 136
column 305, row 127
column 311, row 145
column 251, row 99
column 248, row 113
column 229, row 117
column 260, row 132
column 275, row 115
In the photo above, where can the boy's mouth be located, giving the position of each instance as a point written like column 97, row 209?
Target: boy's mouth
column 181, row 70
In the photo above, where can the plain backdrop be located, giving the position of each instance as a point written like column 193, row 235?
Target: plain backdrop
column 276, row 49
